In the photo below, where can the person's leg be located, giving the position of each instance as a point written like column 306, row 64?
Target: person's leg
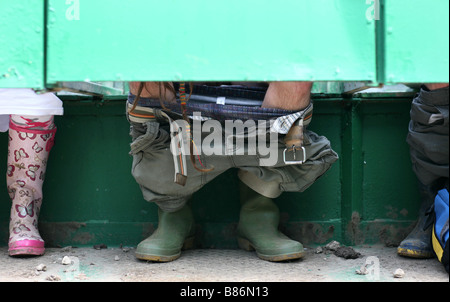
column 175, row 232
column 30, row 141
column 270, row 244
column 258, row 228
column 259, row 215
column 151, row 151
column 435, row 86
column 288, row 95
column 428, row 141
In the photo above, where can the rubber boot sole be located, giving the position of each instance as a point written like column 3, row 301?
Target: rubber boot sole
column 26, row 251
column 26, row 248
column 248, row 246
column 414, row 254
column 188, row 244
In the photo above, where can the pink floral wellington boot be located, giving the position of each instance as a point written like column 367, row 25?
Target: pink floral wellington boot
column 27, row 161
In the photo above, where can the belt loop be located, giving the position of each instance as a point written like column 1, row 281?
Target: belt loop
column 160, row 115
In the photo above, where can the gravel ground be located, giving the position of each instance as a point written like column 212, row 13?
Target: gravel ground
column 120, row 265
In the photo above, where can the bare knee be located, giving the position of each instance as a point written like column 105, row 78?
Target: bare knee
column 434, row 86
column 288, row 95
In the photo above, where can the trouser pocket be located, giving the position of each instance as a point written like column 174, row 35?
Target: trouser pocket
column 148, row 137
column 428, row 136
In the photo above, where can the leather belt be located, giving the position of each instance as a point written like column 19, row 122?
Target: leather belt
column 295, row 137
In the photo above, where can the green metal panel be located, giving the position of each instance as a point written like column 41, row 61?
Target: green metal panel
column 199, row 40
column 416, row 41
column 386, row 170
column 174, row 40
column 22, row 44
column 352, row 180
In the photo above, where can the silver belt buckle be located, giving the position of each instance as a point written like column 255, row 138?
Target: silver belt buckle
column 294, row 162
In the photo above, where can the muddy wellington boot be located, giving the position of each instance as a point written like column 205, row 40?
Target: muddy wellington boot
column 175, row 232
column 258, row 229
column 418, row 243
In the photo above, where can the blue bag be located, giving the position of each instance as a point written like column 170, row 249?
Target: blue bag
column 440, row 227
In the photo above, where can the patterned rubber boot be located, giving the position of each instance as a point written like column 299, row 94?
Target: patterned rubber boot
column 30, row 141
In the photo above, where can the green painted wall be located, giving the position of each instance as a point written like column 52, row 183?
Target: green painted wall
column 90, row 196
column 45, row 42
column 416, row 41
column 22, row 44
column 200, row 40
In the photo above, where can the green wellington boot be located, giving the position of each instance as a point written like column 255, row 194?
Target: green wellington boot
column 258, row 229
column 418, row 243
column 175, row 232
